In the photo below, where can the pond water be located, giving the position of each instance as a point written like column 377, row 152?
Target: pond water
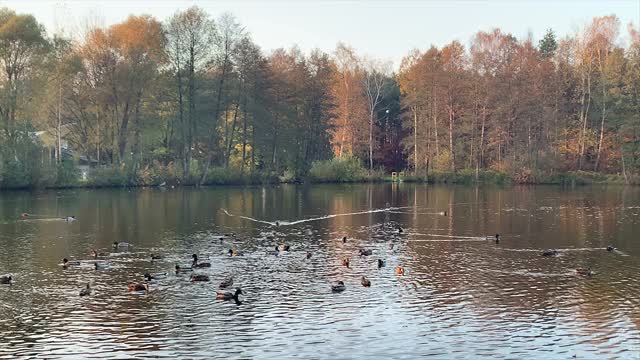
column 462, row 296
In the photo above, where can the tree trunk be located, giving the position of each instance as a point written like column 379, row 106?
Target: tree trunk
column 216, row 113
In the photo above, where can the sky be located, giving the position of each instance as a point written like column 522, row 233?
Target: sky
column 383, row 29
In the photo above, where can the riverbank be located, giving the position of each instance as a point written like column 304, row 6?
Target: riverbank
column 114, row 178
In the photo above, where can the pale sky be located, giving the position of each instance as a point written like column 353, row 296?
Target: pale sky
column 384, row 29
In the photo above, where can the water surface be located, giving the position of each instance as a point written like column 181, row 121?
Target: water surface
column 462, row 296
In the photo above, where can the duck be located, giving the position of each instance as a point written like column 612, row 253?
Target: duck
column 197, row 265
column 399, row 270
column 156, row 257
column 344, row 239
column 118, row 245
column 24, row 215
column 6, row 279
column 345, row 262
column 277, row 223
column 380, row 263
column 365, row 282
column 69, row 218
column 282, row 247
column 226, row 282
column 400, row 231
column 138, row 287
column 225, row 295
column 496, row 237
column 100, row 265
column 610, row 248
column 443, row 213
column 233, row 252
column 180, row 268
column 338, row 287
column 584, row 271
column 95, row 254
column 550, row 252
column 66, row 263
column 309, row 254
column 365, row 252
column 199, row 277
column 86, row 291
column 157, row 276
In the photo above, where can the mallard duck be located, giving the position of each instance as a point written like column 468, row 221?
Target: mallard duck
column 344, row 239
column 610, row 248
column 197, row 265
column 138, row 287
column 180, row 268
column 199, row 277
column 399, row 270
column 225, row 295
column 309, row 255
column 86, row 291
column 24, row 215
column 443, row 213
column 100, row 265
column 96, row 254
column 550, row 252
column 365, row 282
column 6, row 279
column 156, row 257
column 365, row 252
column 233, row 252
column 380, row 263
column 496, row 237
column 157, row 276
column 121, row 245
column 345, row 262
column 66, row 263
column 400, row 231
column 282, row 247
column 584, row 271
column 338, row 287
column 69, row 218
column 226, row 282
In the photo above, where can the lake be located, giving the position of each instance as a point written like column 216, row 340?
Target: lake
column 462, row 296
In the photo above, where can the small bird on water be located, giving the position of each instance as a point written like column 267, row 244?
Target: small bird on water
column 86, row 291
column 365, row 282
column 338, row 287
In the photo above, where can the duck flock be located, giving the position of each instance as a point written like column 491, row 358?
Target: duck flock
column 225, row 291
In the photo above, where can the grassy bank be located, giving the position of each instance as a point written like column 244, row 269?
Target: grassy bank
column 348, row 170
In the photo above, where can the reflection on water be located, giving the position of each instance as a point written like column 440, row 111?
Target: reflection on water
column 462, row 296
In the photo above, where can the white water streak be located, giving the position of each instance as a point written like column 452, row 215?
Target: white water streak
column 287, row 223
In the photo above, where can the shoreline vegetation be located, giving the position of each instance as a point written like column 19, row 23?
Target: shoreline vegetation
column 335, row 171
column 192, row 100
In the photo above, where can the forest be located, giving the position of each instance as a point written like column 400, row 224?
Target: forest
column 192, row 100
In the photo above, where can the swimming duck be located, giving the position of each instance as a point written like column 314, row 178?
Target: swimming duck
column 6, row 279
column 86, row 291
column 66, row 263
column 282, row 247
column 100, row 265
column 550, row 252
column 225, row 295
column 138, row 287
column 96, row 254
column 233, row 252
column 380, row 263
column 497, row 237
column 309, row 255
column 345, row 262
column 399, row 270
column 344, row 239
column 118, row 245
column 180, row 268
column 69, row 218
column 226, row 283
column 157, row 276
column 199, row 278
column 365, row 282
column 584, row 271
column 277, row 223
column 24, row 215
column 400, row 231
column 610, row 248
column 197, row 265
column 443, row 213
column 365, row 252
column 156, row 257
column 338, row 287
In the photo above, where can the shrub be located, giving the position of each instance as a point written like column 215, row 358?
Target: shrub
column 347, row 169
column 108, row 176
column 67, row 174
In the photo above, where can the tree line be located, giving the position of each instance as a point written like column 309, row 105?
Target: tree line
column 193, row 96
